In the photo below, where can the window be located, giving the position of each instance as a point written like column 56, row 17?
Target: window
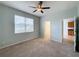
column 29, row 25
column 23, row 24
column 19, row 24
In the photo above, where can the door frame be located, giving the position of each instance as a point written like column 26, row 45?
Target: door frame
column 74, row 32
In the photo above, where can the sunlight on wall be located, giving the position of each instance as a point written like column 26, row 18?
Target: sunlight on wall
column 47, row 30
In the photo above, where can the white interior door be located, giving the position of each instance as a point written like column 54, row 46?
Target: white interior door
column 47, row 30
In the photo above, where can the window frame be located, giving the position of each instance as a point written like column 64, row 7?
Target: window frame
column 24, row 25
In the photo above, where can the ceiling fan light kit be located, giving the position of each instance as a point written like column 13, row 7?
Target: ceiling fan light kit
column 39, row 7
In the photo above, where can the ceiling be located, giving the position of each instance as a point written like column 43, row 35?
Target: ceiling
column 55, row 6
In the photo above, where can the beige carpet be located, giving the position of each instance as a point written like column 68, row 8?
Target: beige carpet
column 39, row 48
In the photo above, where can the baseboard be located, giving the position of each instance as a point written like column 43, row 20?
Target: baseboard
column 20, row 42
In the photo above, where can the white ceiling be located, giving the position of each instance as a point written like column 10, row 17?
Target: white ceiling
column 55, row 6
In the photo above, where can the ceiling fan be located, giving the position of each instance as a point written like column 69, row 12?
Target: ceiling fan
column 39, row 7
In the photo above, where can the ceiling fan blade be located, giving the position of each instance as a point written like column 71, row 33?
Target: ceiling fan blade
column 42, row 11
column 45, row 7
column 40, row 3
column 34, row 10
column 32, row 7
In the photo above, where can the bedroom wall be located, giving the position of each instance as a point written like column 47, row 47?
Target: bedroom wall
column 56, row 20
column 7, row 35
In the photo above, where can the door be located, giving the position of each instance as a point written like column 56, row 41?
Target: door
column 47, row 30
column 77, row 35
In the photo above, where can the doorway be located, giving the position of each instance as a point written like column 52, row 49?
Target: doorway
column 47, row 30
column 69, row 31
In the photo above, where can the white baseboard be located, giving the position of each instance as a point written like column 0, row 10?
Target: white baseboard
column 15, row 43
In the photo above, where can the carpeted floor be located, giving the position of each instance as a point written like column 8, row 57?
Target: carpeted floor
column 39, row 48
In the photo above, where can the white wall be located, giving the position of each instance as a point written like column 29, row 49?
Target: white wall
column 65, row 28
